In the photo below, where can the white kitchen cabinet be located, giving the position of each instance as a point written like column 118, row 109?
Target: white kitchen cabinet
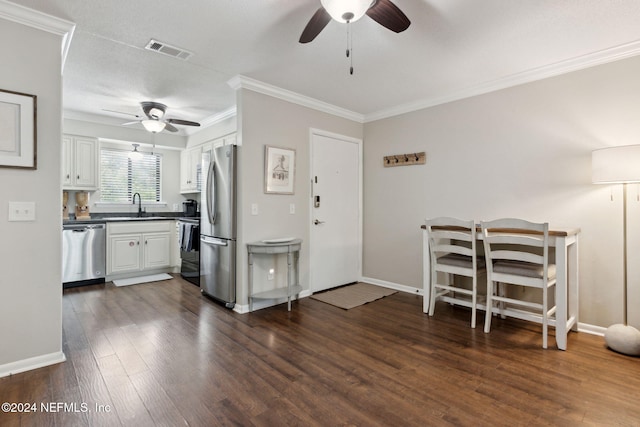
column 79, row 163
column 124, row 253
column 157, row 250
column 176, row 261
column 190, row 160
column 230, row 139
column 67, row 161
column 136, row 247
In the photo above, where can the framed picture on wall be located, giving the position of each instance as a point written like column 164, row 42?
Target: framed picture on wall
column 17, row 130
column 279, row 170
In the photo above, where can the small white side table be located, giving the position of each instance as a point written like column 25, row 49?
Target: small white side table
column 292, row 249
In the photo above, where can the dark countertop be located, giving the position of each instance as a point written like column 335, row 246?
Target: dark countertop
column 103, row 218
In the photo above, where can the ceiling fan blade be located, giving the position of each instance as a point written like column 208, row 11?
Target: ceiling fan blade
column 170, row 127
column 389, row 16
column 182, row 122
column 137, row 116
column 131, row 123
column 318, row 21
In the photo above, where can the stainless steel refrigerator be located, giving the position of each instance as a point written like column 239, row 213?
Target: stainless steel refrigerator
column 218, row 225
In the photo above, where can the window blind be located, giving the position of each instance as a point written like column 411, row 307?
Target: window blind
column 121, row 176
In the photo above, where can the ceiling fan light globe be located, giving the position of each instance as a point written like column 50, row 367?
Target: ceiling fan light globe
column 343, row 10
column 135, row 154
column 153, row 126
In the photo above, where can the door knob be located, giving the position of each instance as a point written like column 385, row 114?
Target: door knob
column 316, row 222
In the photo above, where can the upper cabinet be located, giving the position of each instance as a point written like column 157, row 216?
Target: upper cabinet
column 79, row 163
column 190, row 160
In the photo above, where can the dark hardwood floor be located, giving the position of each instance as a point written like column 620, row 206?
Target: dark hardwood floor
column 160, row 354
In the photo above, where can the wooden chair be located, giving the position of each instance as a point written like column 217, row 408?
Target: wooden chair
column 452, row 250
column 517, row 253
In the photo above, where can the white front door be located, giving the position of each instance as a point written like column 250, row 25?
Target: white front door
column 336, row 203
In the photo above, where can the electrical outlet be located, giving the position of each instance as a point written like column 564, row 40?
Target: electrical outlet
column 272, row 272
column 176, row 207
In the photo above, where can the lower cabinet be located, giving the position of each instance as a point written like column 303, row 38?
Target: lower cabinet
column 138, row 246
column 124, row 253
column 157, row 250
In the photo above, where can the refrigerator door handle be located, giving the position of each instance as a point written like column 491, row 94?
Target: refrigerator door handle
column 213, row 241
column 211, row 193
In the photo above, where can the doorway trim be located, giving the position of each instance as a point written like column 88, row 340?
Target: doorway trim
column 359, row 143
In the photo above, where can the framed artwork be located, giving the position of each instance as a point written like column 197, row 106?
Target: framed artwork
column 279, row 170
column 17, row 130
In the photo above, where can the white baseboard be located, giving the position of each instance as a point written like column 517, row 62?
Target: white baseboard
column 31, row 363
column 591, row 329
column 391, row 285
column 260, row 304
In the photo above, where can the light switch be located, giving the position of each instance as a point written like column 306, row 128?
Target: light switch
column 292, row 208
column 254, row 209
column 22, row 211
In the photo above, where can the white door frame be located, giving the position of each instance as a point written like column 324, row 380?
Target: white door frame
column 358, row 142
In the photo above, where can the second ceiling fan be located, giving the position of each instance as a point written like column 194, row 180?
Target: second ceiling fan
column 154, row 122
column 383, row 12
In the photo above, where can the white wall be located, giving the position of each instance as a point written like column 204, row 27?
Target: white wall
column 31, row 298
column 522, row 152
column 264, row 120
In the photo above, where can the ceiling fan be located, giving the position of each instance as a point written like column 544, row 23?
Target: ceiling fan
column 383, row 12
column 154, row 123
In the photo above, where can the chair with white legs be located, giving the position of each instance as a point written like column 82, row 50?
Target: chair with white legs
column 452, row 251
column 517, row 253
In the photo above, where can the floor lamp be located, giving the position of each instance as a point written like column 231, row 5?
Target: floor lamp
column 619, row 165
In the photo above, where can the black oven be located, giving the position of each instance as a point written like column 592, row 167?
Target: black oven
column 189, row 241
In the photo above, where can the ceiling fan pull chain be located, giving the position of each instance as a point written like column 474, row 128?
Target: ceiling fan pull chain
column 351, row 50
column 350, row 47
column 348, row 39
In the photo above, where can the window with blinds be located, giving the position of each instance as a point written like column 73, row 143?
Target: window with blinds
column 121, row 176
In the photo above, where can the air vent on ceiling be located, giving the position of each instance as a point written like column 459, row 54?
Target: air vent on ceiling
column 169, row 50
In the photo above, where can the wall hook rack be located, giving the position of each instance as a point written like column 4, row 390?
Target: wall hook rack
column 405, row 159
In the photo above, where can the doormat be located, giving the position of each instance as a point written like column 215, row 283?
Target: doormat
column 353, row 295
column 142, row 279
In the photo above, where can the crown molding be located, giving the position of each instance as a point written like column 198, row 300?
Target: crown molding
column 212, row 120
column 243, row 82
column 604, row 56
column 563, row 67
column 41, row 21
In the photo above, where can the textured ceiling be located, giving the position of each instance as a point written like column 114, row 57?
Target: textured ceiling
column 451, row 46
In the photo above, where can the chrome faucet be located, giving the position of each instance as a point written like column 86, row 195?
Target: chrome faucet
column 139, row 203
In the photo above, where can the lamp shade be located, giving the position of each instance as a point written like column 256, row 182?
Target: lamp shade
column 346, row 10
column 616, row 165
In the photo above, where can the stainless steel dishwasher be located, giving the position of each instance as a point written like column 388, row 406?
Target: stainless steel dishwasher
column 83, row 254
